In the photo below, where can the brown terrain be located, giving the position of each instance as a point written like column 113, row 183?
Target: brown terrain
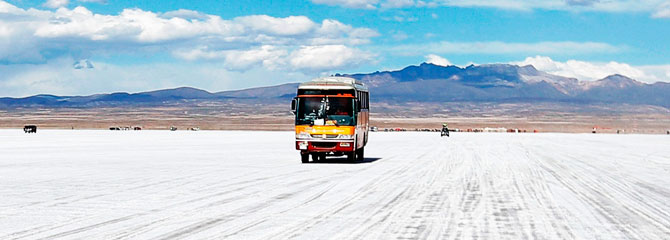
column 230, row 115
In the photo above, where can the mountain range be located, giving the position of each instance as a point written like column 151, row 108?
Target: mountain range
column 423, row 83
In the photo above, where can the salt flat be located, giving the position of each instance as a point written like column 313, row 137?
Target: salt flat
column 77, row 184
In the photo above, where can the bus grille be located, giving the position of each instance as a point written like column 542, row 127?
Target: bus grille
column 324, row 144
column 322, row 135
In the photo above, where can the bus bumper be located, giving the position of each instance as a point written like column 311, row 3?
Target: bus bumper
column 324, row 146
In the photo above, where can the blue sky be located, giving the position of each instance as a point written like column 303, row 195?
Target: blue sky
column 94, row 46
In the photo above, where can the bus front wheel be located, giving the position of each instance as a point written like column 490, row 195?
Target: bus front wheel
column 360, row 154
column 304, row 157
column 351, row 156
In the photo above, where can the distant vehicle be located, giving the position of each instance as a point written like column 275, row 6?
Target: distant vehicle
column 137, row 128
column 30, row 129
column 114, row 128
column 373, row 129
column 173, row 128
column 194, row 129
column 331, row 118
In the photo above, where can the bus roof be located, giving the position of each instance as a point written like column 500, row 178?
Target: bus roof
column 334, row 83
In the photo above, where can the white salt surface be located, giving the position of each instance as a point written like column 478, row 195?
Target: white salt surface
column 251, row 185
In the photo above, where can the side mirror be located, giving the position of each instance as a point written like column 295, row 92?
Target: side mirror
column 294, row 105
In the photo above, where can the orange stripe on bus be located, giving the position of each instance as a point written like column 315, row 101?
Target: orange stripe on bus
column 349, row 130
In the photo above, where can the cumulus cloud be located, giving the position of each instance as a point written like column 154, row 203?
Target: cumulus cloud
column 268, row 56
column 437, row 60
column 56, row 3
column 59, row 77
column 34, row 36
column 55, row 51
column 185, row 14
column 590, row 71
column 83, row 64
column 553, row 48
column 289, row 26
column 328, row 57
column 663, row 11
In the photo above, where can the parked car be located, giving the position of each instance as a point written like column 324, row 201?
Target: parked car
column 30, row 129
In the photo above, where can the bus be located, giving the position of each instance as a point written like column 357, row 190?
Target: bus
column 331, row 118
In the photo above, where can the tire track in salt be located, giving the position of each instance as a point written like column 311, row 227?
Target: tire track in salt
column 589, row 190
column 364, row 191
column 256, row 181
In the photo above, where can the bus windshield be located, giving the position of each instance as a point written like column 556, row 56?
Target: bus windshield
column 337, row 111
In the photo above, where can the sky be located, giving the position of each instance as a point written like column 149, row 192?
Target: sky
column 82, row 47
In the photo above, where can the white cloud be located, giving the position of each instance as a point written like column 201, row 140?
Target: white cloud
column 328, row 57
column 489, row 48
column 663, row 11
column 590, row 71
column 268, row 56
column 399, row 35
column 378, row 4
column 306, row 58
column 523, row 5
column 94, row 1
column 398, row 3
column 437, row 60
column 56, row 3
column 60, row 78
column 83, row 64
column 364, row 4
column 398, row 18
column 31, row 33
column 293, row 25
column 36, row 45
column 185, row 14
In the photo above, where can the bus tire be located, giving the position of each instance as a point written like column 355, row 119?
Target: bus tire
column 360, row 154
column 351, row 156
column 304, row 157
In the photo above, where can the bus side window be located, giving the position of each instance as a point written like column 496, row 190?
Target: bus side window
column 367, row 100
column 359, row 104
column 363, row 100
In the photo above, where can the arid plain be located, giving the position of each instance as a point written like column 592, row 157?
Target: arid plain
column 256, row 115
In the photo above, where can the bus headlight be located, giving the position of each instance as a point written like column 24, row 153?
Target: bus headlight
column 303, row 135
column 345, row 136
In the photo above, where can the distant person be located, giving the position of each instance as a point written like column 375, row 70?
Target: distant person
column 445, row 130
